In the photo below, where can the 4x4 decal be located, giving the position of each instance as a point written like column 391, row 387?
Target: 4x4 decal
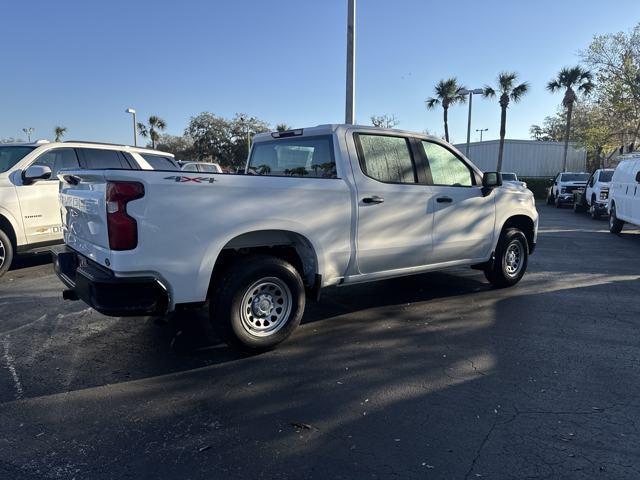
column 183, row 179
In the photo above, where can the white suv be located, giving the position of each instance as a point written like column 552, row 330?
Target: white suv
column 29, row 212
column 624, row 193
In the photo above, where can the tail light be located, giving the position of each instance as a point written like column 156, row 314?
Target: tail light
column 123, row 229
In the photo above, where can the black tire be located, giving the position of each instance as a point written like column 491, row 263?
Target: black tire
column 557, row 202
column 497, row 272
column 6, row 253
column 578, row 207
column 615, row 225
column 251, row 279
column 550, row 198
column 593, row 210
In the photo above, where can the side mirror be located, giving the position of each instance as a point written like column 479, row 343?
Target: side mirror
column 490, row 180
column 638, row 176
column 34, row 173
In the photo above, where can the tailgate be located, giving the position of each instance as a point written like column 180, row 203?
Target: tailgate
column 84, row 213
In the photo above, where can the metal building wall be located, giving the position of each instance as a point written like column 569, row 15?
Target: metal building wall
column 527, row 158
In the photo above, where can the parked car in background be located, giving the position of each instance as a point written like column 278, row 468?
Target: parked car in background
column 204, row 167
column 624, row 193
column 512, row 177
column 327, row 205
column 29, row 210
column 561, row 190
column 594, row 198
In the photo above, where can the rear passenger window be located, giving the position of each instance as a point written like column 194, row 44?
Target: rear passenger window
column 58, row 159
column 386, row 158
column 294, row 157
column 446, row 168
column 95, row 159
column 159, row 162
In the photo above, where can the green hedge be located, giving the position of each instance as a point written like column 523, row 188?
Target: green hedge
column 537, row 185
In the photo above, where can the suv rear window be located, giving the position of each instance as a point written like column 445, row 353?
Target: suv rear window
column 159, row 162
column 294, row 157
column 95, row 159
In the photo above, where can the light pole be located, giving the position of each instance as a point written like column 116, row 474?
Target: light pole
column 464, row 91
column 28, row 132
column 349, row 111
column 481, row 130
column 247, row 125
column 133, row 114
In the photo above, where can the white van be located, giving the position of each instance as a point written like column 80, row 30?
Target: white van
column 29, row 212
column 624, row 193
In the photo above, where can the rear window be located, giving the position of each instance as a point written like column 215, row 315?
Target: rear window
column 294, row 157
column 510, row 177
column 159, row 162
column 209, row 168
column 10, row 155
column 96, row 159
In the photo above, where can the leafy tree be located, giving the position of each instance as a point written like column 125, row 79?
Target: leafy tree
column 508, row 92
column 241, row 129
column 59, row 133
column 211, row 137
column 152, row 131
column 282, row 127
column 574, row 81
column 384, row 121
column 615, row 60
column 448, row 93
column 180, row 145
column 536, row 132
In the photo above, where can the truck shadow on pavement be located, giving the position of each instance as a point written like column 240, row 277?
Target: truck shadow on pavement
column 502, row 384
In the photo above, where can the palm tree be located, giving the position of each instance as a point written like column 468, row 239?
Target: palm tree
column 448, row 93
column 509, row 92
column 571, row 79
column 156, row 124
column 282, row 127
column 59, row 132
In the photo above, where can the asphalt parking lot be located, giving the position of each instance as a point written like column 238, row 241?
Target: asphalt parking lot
column 434, row 376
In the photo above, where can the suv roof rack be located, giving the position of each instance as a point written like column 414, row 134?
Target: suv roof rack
column 100, row 143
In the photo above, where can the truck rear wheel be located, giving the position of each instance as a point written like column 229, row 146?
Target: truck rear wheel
column 258, row 304
column 615, row 225
column 511, row 258
column 6, row 253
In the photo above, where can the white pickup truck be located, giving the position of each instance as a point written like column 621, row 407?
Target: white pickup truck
column 320, row 206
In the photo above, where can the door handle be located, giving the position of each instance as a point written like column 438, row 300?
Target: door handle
column 444, row 200
column 373, row 199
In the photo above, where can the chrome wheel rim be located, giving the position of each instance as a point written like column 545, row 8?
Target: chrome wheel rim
column 513, row 258
column 3, row 253
column 266, row 306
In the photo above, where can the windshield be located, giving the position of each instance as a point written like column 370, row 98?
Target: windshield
column 12, row 154
column 510, row 177
column 574, row 177
column 605, row 176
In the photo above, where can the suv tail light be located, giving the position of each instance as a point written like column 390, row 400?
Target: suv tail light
column 123, row 229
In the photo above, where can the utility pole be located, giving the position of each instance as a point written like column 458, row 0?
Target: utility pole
column 28, row 132
column 464, row 91
column 351, row 63
column 133, row 114
column 481, row 130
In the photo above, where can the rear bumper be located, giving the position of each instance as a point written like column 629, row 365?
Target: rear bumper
column 99, row 288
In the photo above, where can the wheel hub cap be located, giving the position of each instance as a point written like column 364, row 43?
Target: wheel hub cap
column 513, row 259
column 266, row 306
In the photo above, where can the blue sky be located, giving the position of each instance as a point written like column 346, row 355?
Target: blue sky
column 81, row 63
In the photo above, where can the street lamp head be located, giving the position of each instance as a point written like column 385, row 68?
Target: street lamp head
column 130, row 110
column 477, row 91
column 464, row 91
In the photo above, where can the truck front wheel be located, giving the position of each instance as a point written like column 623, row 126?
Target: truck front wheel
column 6, row 253
column 511, row 258
column 258, row 303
